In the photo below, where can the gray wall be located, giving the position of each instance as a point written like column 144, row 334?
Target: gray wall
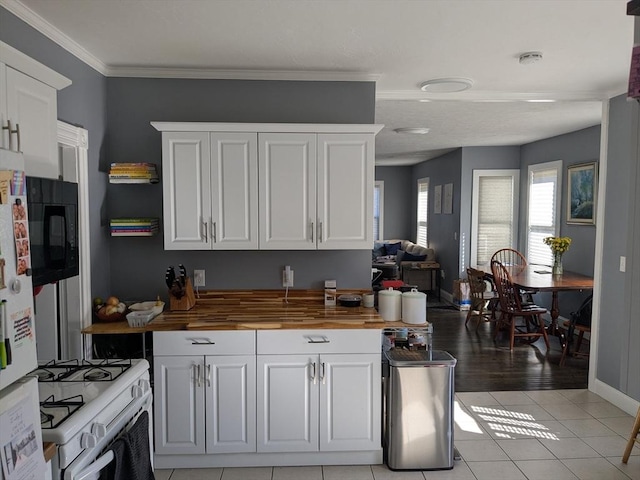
column 573, row 148
column 134, row 102
column 82, row 104
column 619, row 332
column 397, row 201
column 443, row 229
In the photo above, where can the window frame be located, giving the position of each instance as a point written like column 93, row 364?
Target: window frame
column 536, row 167
column 379, row 186
column 423, row 180
column 477, row 174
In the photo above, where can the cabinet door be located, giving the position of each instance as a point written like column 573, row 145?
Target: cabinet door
column 33, row 105
column 350, row 399
column 287, row 173
column 234, row 191
column 186, row 166
column 179, row 404
column 231, row 403
column 345, row 191
column 287, row 403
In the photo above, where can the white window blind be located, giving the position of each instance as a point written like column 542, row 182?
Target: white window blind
column 423, row 212
column 543, row 211
column 378, row 210
column 495, row 216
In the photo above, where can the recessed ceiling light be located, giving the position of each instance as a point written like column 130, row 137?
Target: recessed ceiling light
column 446, row 85
column 419, row 130
column 530, row 57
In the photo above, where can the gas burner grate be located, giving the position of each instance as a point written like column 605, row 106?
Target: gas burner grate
column 88, row 371
column 64, row 408
column 97, row 375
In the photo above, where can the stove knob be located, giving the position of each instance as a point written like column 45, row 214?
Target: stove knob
column 145, row 384
column 99, row 430
column 88, row 440
column 137, row 391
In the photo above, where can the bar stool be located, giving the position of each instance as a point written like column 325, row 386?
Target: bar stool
column 633, row 438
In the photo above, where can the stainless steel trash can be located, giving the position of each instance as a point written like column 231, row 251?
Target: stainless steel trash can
column 419, row 410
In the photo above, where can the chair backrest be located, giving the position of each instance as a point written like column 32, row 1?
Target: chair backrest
column 509, row 257
column 582, row 316
column 508, row 293
column 476, row 286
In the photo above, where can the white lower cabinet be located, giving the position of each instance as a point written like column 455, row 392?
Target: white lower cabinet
column 309, row 403
column 204, row 403
column 267, row 397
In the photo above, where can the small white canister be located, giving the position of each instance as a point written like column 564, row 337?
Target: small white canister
column 390, row 305
column 414, row 307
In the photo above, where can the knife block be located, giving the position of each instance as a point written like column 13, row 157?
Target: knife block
column 186, row 302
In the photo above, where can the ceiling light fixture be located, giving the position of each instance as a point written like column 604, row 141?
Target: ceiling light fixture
column 530, row 57
column 418, row 130
column 446, row 85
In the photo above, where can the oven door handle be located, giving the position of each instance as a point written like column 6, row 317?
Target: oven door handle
column 96, row 466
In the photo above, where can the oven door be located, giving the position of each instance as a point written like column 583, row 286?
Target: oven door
column 89, row 464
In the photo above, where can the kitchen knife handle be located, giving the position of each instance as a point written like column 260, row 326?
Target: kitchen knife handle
column 313, row 372
column 208, row 374
column 206, row 236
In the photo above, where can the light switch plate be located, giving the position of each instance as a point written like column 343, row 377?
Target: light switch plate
column 623, row 264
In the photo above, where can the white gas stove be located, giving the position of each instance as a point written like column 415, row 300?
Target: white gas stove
column 85, row 405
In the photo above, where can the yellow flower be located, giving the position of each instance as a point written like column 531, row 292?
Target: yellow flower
column 558, row 244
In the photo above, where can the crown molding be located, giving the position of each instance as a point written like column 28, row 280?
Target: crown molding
column 494, row 96
column 34, row 20
column 240, row 74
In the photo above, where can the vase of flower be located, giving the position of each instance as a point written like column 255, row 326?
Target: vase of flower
column 558, row 246
column 556, row 269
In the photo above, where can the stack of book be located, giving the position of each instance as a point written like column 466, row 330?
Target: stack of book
column 134, row 227
column 133, row 173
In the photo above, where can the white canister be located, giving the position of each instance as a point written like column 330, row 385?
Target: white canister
column 414, row 307
column 390, row 305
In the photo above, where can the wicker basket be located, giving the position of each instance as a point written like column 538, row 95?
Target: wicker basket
column 114, row 317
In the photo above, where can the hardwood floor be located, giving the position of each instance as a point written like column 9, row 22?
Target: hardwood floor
column 488, row 365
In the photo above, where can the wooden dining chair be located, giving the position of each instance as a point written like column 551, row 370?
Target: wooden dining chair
column 579, row 321
column 516, row 261
column 512, row 308
column 480, row 299
column 633, row 438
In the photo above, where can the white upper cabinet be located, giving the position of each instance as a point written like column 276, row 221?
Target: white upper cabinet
column 345, row 191
column 28, row 111
column 234, row 191
column 267, row 186
column 186, row 201
column 287, row 191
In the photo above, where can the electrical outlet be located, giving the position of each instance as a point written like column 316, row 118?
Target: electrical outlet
column 198, row 278
column 287, row 277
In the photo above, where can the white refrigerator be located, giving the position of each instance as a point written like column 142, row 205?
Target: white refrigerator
column 21, row 450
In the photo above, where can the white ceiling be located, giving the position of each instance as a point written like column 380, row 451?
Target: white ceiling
column 586, row 47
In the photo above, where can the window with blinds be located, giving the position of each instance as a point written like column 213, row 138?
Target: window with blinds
column 544, row 210
column 494, row 213
column 378, row 210
column 423, row 212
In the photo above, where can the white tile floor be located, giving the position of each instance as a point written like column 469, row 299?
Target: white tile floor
column 546, row 435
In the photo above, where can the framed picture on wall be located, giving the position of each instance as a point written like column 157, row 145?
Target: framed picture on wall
column 582, row 184
column 448, row 198
column 437, row 199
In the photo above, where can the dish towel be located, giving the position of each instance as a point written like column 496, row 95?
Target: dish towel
column 132, row 457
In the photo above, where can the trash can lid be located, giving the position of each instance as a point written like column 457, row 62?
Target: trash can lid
column 399, row 357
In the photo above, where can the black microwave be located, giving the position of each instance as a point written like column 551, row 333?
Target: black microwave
column 52, row 207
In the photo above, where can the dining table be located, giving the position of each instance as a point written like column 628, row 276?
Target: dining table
column 540, row 279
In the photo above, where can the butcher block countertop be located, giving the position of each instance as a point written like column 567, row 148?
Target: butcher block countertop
column 256, row 310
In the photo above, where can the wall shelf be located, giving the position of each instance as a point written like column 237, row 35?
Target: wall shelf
column 134, row 227
column 133, row 173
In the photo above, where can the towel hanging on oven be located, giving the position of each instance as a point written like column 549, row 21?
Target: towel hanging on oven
column 132, row 456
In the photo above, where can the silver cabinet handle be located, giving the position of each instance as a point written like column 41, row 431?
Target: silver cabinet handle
column 321, row 339
column 17, row 132
column 313, row 372
column 214, row 234
column 322, row 373
column 197, row 373
column 208, row 374
column 205, row 235
column 11, row 132
column 320, row 231
column 311, row 225
column 202, row 341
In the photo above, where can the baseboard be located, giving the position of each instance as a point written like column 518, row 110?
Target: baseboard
column 616, row 397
